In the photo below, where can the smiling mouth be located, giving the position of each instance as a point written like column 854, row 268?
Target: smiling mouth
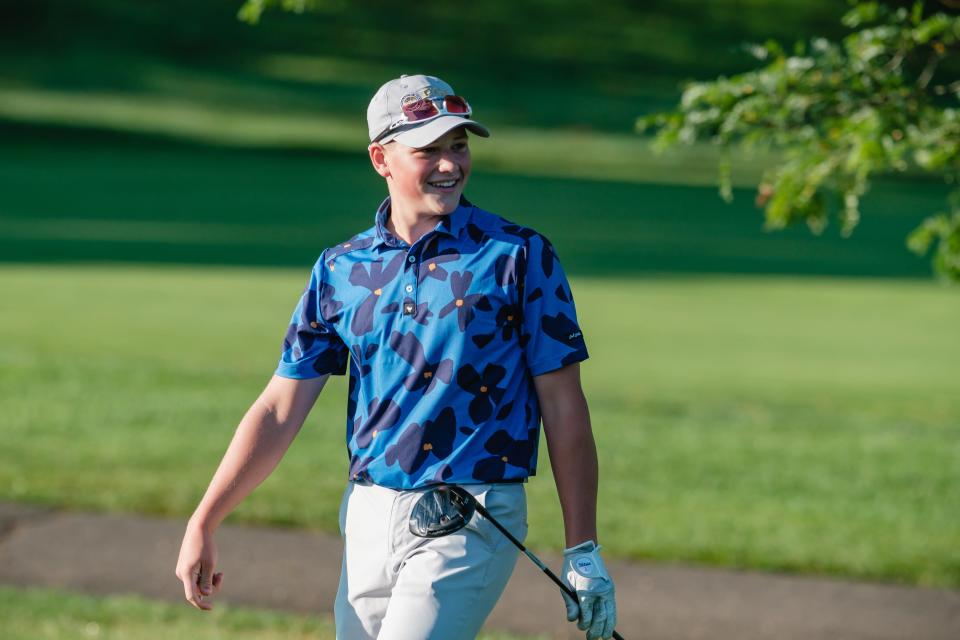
column 444, row 184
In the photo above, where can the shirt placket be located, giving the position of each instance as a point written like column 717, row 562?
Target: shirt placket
column 410, row 280
column 411, row 277
column 410, row 288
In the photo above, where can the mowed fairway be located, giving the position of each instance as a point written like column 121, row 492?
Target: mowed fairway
column 804, row 424
column 47, row 614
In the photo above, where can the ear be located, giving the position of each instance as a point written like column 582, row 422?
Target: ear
column 378, row 158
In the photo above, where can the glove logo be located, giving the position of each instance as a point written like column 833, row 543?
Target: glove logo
column 584, row 566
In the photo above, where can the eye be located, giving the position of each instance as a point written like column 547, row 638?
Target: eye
column 460, row 146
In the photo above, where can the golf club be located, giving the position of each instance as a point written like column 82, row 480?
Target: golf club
column 448, row 508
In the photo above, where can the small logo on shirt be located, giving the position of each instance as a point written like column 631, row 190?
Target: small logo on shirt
column 575, row 334
column 409, row 308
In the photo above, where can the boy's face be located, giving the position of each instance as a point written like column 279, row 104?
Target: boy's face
column 428, row 180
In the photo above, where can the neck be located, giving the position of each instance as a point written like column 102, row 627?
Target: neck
column 409, row 225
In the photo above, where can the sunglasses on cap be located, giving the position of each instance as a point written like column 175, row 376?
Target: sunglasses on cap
column 428, row 108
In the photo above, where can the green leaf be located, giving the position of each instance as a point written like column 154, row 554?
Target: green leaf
column 250, row 11
column 934, row 26
column 842, row 113
column 861, row 13
column 916, row 15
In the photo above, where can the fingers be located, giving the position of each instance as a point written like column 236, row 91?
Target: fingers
column 191, row 589
column 205, row 581
column 586, row 612
column 573, row 609
column 197, row 585
column 610, row 622
column 207, row 586
column 596, row 619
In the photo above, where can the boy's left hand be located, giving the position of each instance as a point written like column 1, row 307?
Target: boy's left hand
column 585, row 573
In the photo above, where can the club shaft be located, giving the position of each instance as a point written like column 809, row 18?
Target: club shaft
column 550, row 574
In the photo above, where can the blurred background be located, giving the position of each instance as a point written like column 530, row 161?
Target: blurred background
column 169, row 174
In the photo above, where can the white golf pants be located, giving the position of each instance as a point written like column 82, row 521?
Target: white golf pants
column 396, row 586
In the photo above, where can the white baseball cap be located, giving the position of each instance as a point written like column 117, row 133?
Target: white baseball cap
column 416, row 110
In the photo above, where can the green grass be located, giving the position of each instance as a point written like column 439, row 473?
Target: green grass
column 48, row 614
column 69, row 195
column 527, row 151
column 807, row 425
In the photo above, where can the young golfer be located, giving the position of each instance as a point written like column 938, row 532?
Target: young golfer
column 460, row 333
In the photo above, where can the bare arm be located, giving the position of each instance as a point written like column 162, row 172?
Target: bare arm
column 260, row 441
column 573, row 453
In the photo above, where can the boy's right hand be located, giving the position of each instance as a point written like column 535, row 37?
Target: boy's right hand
column 195, row 567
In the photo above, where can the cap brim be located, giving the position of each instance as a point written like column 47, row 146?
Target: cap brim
column 430, row 131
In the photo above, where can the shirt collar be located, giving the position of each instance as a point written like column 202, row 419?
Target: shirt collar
column 451, row 224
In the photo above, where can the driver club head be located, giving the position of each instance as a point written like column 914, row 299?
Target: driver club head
column 441, row 511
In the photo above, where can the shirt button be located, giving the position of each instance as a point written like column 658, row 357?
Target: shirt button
column 409, row 288
column 412, row 259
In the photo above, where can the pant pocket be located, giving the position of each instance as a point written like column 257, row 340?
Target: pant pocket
column 507, row 503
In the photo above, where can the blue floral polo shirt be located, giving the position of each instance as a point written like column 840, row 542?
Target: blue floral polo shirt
column 443, row 338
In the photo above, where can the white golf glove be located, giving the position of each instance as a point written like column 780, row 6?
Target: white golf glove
column 584, row 572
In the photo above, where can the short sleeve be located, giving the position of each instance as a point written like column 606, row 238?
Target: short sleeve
column 550, row 335
column 311, row 347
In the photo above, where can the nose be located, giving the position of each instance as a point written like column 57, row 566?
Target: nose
column 447, row 163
